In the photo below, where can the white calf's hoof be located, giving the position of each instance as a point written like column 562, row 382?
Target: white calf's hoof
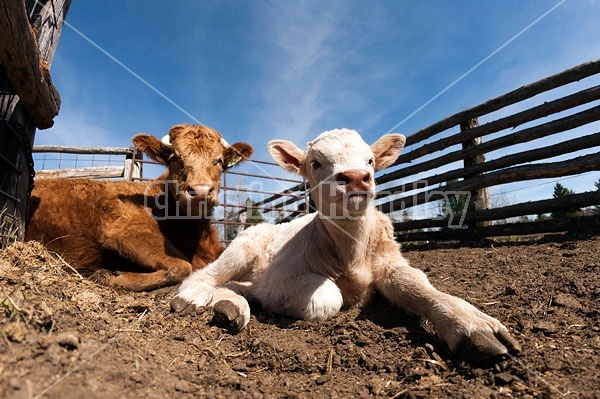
column 486, row 346
column 229, row 316
column 178, row 304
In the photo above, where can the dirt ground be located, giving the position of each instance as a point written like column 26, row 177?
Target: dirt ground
column 66, row 337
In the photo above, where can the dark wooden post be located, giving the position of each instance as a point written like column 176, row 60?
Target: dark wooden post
column 28, row 100
column 480, row 198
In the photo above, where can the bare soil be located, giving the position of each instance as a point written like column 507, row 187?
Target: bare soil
column 66, row 337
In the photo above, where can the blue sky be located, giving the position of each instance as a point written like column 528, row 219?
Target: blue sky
column 259, row 70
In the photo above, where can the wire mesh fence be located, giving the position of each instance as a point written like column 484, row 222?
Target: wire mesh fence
column 253, row 192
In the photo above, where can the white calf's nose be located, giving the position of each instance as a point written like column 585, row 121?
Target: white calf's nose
column 355, row 180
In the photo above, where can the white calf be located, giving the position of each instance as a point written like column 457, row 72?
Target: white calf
column 313, row 266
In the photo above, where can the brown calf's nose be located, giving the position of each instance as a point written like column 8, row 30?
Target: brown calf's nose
column 201, row 190
column 355, row 180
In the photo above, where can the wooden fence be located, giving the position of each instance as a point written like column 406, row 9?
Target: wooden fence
column 29, row 32
column 455, row 164
column 476, row 175
column 128, row 168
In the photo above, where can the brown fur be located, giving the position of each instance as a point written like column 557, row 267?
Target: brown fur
column 104, row 228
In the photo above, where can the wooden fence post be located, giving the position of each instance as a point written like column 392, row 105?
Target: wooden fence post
column 480, row 198
column 28, row 100
column 133, row 168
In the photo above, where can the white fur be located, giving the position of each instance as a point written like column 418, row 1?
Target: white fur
column 309, row 268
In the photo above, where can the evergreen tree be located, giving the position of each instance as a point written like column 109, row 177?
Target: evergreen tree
column 453, row 206
column 562, row 191
column 254, row 215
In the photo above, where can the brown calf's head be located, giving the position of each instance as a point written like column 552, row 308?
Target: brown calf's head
column 195, row 156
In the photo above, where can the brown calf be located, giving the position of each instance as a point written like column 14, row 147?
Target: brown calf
column 140, row 236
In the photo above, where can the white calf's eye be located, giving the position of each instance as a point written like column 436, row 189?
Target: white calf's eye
column 315, row 164
column 371, row 162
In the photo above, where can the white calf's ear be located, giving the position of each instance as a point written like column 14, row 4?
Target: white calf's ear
column 387, row 149
column 287, row 155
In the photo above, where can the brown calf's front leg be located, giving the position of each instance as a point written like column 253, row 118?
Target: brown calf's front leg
column 160, row 263
column 142, row 281
column 468, row 332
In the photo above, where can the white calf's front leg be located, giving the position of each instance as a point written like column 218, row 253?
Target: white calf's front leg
column 200, row 287
column 467, row 331
column 197, row 290
column 232, row 310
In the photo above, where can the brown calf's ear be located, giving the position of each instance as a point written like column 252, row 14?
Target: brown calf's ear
column 387, row 149
column 235, row 153
column 287, row 155
column 153, row 147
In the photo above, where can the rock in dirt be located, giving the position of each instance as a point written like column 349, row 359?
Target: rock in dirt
column 43, row 314
column 322, row 379
column 567, row 301
column 15, row 331
column 377, row 386
column 55, row 353
column 43, row 342
column 68, row 340
column 361, row 340
column 503, row 378
column 546, row 327
column 183, row 386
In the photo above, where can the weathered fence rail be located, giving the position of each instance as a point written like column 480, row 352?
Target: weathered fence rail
column 83, row 150
column 438, row 179
column 130, row 168
column 523, row 93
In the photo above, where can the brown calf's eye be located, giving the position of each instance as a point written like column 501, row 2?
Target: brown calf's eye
column 219, row 161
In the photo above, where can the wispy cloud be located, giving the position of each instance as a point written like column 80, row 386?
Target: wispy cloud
column 300, row 57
